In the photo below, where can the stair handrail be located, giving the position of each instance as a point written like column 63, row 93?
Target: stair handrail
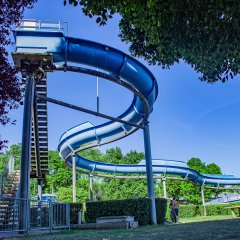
column 8, row 168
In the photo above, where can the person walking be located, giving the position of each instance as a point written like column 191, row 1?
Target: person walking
column 175, row 206
column 172, row 212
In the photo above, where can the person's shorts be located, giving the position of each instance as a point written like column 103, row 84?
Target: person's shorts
column 176, row 211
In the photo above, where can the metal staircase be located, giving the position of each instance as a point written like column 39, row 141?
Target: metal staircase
column 39, row 140
column 10, row 187
column 9, row 205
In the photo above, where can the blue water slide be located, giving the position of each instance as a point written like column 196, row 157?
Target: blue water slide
column 120, row 66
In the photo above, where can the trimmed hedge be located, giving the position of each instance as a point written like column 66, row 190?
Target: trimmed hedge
column 140, row 208
column 161, row 208
column 75, row 208
column 219, row 209
column 188, row 211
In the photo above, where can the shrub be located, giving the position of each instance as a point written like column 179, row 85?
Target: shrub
column 139, row 208
column 188, row 211
column 218, row 209
column 75, row 208
column 161, row 208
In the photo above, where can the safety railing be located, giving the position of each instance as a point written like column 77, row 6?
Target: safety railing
column 8, row 168
column 60, row 215
column 42, row 25
column 10, row 211
column 41, row 215
column 49, row 215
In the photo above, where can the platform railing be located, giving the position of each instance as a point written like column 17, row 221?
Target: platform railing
column 42, row 25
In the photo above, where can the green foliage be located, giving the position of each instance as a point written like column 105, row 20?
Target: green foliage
column 113, row 189
column 218, row 209
column 60, row 176
column 192, row 192
column 139, row 208
column 205, row 34
column 126, row 188
column 188, row 211
column 59, row 180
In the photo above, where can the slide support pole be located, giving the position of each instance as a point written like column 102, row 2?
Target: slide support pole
column 150, row 182
column 24, row 185
column 74, row 178
column 91, row 187
column 203, row 201
column 164, row 187
column 40, row 189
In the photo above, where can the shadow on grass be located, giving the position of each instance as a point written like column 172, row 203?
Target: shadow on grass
column 217, row 230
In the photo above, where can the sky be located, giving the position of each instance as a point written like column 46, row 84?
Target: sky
column 190, row 118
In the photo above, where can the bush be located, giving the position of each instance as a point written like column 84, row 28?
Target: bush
column 218, row 209
column 161, row 208
column 139, row 208
column 188, row 211
column 75, row 208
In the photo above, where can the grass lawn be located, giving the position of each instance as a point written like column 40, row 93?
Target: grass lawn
column 206, row 218
column 207, row 230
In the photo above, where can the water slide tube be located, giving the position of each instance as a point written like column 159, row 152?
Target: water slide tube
column 121, row 66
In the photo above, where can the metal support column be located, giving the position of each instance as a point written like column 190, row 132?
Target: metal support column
column 74, row 178
column 164, row 187
column 91, row 187
column 203, row 201
column 150, row 183
column 40, row 189
column 24, row 186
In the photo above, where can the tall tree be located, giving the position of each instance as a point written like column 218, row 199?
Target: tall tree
column 10, row 89
column 192, row 192
column 204, row 34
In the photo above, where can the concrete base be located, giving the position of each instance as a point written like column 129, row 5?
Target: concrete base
column 112, row 219
column 105, row 226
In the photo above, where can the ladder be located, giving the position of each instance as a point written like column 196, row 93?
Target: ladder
column 39, row 139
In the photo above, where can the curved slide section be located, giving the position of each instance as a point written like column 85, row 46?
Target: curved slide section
column 120, row 66
column 159, row 167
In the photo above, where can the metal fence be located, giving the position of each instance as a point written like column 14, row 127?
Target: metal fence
column 45, row 215
column 42, row 215
column 10, row 210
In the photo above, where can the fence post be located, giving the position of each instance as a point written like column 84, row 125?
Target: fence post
column 80, row 217
column 50, row 216
column 164, row 187
column 68, row 215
